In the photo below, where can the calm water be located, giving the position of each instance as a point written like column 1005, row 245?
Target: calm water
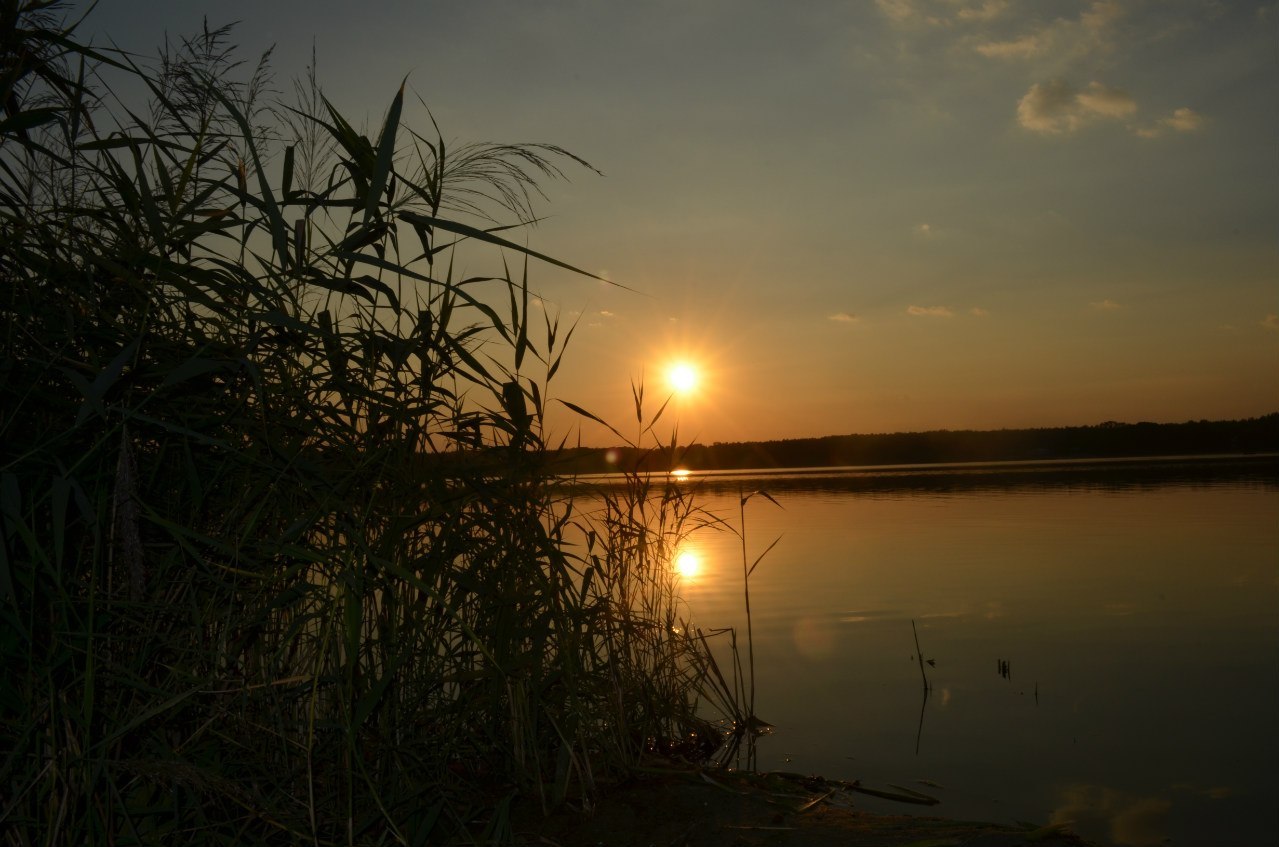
column 1137, row 606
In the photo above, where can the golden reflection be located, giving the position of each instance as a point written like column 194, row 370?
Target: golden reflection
column 688, row 563
column 680, row 473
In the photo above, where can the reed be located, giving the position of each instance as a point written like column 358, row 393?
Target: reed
column 737, row 700
column 281, row 562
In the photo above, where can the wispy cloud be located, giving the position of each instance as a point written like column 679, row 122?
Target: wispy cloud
column 1018, row 48
column 1184, row 119
column 843, row 318
column 978, row 312
column 1062, row 39
column 987, row 11
column 1056, row 107
column 1105, row 305
column 1270, row 323
column 925, row 230
column 898, row 11
column 1099, row 15
column 929, row 311
column 941, row 12
column 1106, row 102
column 605, row 313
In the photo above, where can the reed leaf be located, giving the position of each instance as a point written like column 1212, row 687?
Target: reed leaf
column 282, row 555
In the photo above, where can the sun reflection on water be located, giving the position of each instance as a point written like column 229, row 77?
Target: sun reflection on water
column 688, row 563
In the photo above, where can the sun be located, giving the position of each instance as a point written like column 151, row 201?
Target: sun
column 682, row 377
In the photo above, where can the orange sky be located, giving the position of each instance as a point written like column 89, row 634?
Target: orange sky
column 859, row 217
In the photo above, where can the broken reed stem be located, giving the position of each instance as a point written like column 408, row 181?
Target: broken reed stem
column 919, row 655
column 746, row 588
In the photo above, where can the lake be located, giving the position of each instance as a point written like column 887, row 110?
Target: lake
column 1105, row 637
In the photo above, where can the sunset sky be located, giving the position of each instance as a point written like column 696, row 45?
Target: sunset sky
column 857, row 216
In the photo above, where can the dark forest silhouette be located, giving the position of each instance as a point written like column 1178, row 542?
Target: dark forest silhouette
column 1105, row 440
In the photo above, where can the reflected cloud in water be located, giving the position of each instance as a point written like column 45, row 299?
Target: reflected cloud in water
column 1139, row 820
column 1129, row 820
column 814, row 636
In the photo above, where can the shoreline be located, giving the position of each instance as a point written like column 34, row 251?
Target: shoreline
column 687, row 805
column 1119, row 471
column 1109, row 440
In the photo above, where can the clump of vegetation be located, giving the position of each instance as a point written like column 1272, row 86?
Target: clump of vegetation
column 280, row 558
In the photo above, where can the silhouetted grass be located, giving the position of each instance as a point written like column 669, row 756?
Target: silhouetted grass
column 280, row 560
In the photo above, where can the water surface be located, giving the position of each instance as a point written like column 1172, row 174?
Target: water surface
column 1136, row 607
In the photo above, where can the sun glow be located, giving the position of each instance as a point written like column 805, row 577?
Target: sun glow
column 688, row 564
column 682, row 377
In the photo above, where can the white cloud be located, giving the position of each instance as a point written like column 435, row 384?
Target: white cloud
column 843, row 318
column 1049, row 107
column 1100, row 15
column 929, row 311
column 1056, row 107
column 1019, row 48
column 926, row 230
column 987, row 11
column 1270, row 323
column 1184, row 120
column 605, row 313
column 898, row 11
column 978, row 312
column 1105, row 305
column 940, row 12
column 1107, row 102
column 1062, row 40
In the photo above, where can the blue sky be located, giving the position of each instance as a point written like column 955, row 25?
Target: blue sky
column 860, row 216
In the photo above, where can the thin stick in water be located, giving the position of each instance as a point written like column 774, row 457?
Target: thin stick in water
column 919, row 655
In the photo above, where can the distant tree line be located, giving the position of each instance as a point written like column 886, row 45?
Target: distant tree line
column 1105, row 440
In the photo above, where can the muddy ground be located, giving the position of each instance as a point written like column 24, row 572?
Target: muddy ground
column 692, row 808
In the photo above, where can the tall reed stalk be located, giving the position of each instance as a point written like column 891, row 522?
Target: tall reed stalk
column 280, row 560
